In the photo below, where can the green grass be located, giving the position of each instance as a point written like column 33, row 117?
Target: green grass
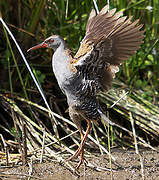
column 53, row 17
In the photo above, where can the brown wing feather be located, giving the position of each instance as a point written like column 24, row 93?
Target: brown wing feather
column 90, row 19
column 110, row 39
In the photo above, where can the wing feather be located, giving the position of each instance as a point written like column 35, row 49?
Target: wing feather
column 110, row 39
column 90, row 19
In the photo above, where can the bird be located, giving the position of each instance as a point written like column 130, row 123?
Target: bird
column 110, row 39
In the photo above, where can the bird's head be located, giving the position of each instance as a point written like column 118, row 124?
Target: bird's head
column 53, row 42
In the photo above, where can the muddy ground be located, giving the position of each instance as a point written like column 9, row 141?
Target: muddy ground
column 127, row 166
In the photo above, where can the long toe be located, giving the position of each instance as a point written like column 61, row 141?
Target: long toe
column 82, row 159
column 76, row 154
column 79, row 164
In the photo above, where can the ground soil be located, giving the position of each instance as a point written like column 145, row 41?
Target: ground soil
column 126, row 167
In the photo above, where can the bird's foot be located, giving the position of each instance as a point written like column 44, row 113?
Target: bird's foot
column 77, row 153
column 83, row 160
column 80, row 150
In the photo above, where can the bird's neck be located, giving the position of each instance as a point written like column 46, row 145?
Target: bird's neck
column 62, row 44
column 61, row 65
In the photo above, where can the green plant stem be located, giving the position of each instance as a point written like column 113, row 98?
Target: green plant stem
column 16, row 65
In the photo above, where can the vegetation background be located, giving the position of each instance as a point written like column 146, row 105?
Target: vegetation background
column 31, row 21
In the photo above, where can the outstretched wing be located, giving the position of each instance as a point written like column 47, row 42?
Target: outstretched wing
column 110, row 39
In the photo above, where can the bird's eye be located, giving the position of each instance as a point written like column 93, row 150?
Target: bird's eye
column 51, row 40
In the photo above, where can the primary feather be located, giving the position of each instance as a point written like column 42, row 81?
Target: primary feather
column 110, row 39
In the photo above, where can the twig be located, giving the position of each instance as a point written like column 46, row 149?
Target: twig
column 30, row 168
column 57, row 141
column 134, row 133
column 18, row 174
column 92, row 139
column 43, row 146
column 95, row 133
column 66, row 9
column 142, row 167
column 108, row 2
column 110, row 159
column 67, row 164
column 144, row 143
column 96, row 7
column 119, row 99
column 98, row 168
column 136, row 146
column 17, row 130
column 5, row 148
column 24, row 152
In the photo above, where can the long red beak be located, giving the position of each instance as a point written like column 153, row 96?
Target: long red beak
column 41, row 45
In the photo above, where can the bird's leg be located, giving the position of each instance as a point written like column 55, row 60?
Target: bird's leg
column 80, row 150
